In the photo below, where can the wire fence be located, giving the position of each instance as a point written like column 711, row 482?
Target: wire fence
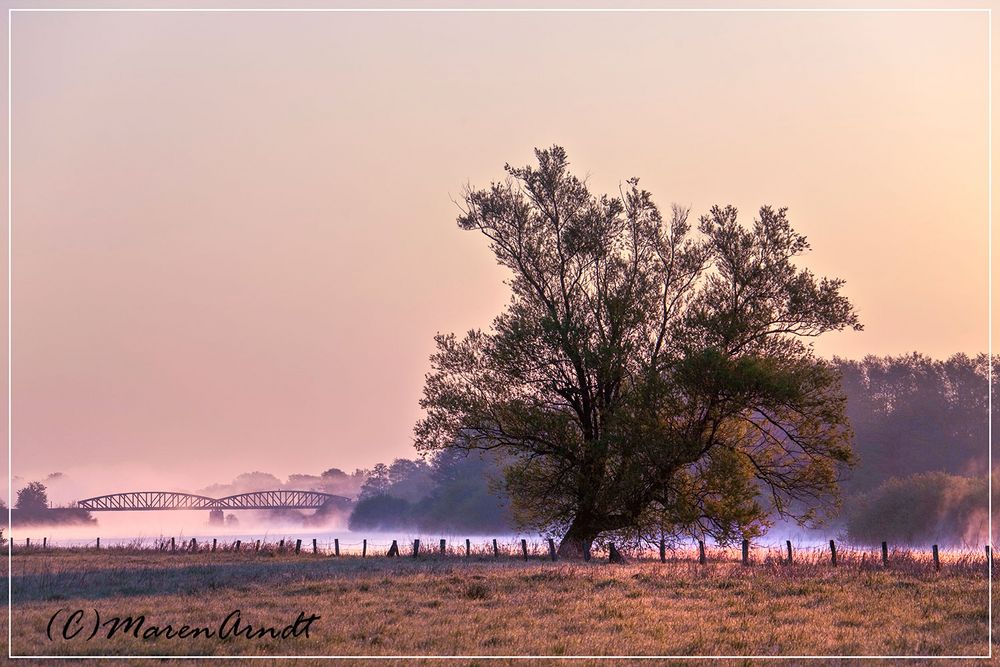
column 544, row 549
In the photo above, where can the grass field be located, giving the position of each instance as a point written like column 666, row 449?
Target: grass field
column 450, row 605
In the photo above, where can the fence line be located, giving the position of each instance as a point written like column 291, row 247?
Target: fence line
column 494, row 549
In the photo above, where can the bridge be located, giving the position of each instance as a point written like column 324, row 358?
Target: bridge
column 172, row 500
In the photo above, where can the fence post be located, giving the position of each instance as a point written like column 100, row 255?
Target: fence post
column 237, row 546
column 27, row 543
column 45, row 542
column 524, row 548
column 663, row 551
column 496, row 551
column 833, row 554
column 99, row 546
column 701, row 552
column 416, row 548
column 364, row 548
column 788, row 546
column 194, row 545
column 336, row 546
column 213, row 543
column 746, row 552
column 552, row 549
column 257, row 546
column 442, row 546
column 173, row 545
column 937, row 562
column 885, row 553
column 298, row 545
column 281, row 545
column 393, row 550
column 468, row 548
column 315, row 550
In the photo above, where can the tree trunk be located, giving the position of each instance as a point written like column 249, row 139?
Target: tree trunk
column 577, row 541
column 615, row 556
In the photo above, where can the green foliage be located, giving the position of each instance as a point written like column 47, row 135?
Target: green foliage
column 919, row 509
column 644, row 378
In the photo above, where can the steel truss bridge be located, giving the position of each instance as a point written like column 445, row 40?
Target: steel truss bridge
column 172, row 500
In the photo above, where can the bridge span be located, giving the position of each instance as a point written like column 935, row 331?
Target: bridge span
column 141, row 501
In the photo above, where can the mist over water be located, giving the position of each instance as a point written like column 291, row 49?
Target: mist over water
column 149, row 528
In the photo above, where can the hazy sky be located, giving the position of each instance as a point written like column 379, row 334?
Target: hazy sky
column 234, row 235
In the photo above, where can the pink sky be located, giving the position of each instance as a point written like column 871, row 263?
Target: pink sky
column 234, row 234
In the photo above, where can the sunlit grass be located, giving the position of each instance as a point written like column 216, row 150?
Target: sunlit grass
column 477, row 606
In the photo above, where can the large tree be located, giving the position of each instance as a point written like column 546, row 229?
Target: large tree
column 645, row 379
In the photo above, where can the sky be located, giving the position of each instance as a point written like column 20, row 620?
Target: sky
column 234, row 234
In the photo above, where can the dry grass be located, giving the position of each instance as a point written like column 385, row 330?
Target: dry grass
column 451, row 605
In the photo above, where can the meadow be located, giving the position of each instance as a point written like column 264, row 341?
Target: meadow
column 480, row 605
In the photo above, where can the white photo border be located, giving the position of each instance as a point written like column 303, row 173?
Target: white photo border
column 486, row 10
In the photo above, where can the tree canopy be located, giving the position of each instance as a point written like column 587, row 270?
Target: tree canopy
column 32, row 498
column 646, row 378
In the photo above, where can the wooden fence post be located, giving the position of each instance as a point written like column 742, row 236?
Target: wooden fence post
column 173, row 545
column 27, row 543
column 788, row 546
column 833, row 554
column 237, row 546
column 496, row 551
column 937, row 562
column 393, row 550
column 281, row 545
column 468, row 548
column 213, row 543
column 885, row 553
column 257, row 546
column 443, row 546
column 663, row 551
column 364, row 548
column 746, row 552
column 552, row 549
column 701, row 552
column 194, row 545
column 524, row 548
column 45, row 542
column 298, row 545
column 416, row 548
column 336, row 546
column 99, row 546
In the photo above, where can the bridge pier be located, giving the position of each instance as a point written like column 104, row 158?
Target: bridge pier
column 216, row 518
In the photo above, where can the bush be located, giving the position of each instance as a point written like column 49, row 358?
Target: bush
column 927, row 507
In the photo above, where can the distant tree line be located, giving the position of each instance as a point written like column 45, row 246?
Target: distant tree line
column 333, row 480
column 921, row 438
column 455, row 491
